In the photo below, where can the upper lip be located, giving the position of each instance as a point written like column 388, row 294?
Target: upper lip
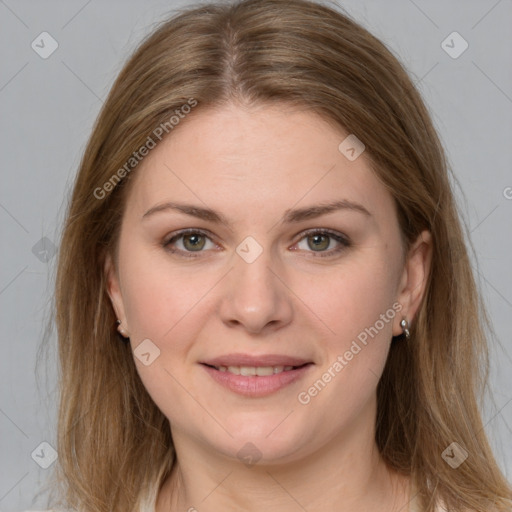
column 261, row 360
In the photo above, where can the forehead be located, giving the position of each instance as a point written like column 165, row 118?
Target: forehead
column 245, row 159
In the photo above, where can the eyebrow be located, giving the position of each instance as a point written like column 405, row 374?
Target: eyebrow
column 290, row 216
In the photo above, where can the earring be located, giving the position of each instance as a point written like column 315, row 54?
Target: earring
column 404, row 324
column 123, row 335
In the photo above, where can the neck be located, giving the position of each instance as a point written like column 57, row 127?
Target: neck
column 345, row 474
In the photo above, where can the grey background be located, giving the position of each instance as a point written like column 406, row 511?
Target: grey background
column 47, row 110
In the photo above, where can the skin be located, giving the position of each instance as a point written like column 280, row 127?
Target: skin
column 252, row 164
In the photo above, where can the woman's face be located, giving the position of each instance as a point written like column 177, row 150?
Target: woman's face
column 259, row 277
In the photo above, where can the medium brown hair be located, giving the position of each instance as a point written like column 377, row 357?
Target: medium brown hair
column 113, row 441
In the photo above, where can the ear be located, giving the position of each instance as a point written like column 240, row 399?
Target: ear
column 114, row 290
column 414, row 279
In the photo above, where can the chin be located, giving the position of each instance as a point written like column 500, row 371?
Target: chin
column 269, row 442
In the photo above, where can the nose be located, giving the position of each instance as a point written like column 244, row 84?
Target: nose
column 255, row 297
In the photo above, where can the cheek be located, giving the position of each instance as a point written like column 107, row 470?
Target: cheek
column 163, row 304
column 358, row 299
column 159, row 296
column 359, row 307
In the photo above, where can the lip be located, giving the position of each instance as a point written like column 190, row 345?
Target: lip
column 256, row 386
column 253, row 360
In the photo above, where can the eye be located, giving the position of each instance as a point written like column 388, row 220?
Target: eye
column 195, row 240
column 320, row 240
column 191, row 240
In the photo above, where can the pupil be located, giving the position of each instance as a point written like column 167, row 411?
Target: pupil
column 318, row 238
column 193, row 241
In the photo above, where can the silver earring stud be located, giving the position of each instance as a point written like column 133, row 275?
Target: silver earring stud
column 122, row 333
column 404, row 324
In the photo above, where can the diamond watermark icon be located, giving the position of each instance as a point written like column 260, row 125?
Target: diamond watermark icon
column 44, row 250
column 44, row 455
column 249, row 250
column 351, row 147
column 146, row 352
column 44, row 45
column 454, row 45
column 454, row 455
column 249, row 454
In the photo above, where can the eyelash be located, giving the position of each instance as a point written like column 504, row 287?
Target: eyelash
column 341, row 239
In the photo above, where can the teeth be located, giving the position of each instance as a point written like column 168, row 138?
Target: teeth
column 248, row 371
column 234, row 369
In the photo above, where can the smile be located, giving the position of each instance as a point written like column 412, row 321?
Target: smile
column 261, row 371
column 256, row 381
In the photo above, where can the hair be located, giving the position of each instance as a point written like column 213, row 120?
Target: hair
column 112, row 439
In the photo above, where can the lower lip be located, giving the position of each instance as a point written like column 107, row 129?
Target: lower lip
column 255, row 386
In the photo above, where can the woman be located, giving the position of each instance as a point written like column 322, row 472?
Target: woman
column 262, row 300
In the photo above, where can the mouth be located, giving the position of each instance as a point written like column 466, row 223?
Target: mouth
column 258, row 371
column 256, row 381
